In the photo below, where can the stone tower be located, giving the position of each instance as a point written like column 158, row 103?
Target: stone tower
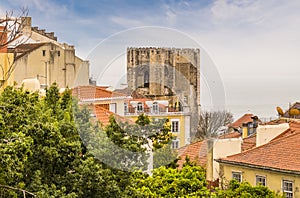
column 166, row 73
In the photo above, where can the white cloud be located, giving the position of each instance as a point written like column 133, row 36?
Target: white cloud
column 126, row 22
column 235, row 13
column 247, row 39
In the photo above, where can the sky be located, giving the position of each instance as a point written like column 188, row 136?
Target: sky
column 254, row 45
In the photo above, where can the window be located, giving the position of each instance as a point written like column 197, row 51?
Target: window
column 58, row 53
column 113, row 107
column 237, row 176
column 260, row 180
column 44, row 52
column 175, row 126
column 287, row 188
column 146, row 79
column 175, row 144
column 140, row 107
column 155, row 107
column 125, row 107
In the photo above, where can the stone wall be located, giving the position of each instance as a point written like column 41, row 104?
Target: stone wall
column 166, row 73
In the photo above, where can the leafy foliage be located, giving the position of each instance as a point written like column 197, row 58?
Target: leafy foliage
column 50, row 148
column 244, row 190
column 190, row 181
column 41, row 149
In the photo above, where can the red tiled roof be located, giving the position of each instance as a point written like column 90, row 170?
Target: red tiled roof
column 93, row 92
column 277, row 121
column 233, row 134
column 294, row 128
column 249, row 142
column 244, row 119
column 196, row 151
column 103, row 116
column 281, row 154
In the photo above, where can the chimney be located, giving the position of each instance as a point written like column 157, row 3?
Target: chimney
column 210, row 160
column 26, row 25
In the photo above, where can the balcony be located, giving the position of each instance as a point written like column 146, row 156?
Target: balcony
column 162, row 111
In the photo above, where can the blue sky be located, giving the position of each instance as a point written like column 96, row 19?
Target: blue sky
column 255, row 44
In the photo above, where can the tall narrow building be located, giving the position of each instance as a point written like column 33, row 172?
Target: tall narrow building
column 171, row 74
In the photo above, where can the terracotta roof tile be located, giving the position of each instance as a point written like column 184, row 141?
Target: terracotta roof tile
column 249, row 142
column 103, row 116
column 93, row 92
column 196, row 151
column 280, row 154
column 294, row 128
column 233, row 134
column 239, row 122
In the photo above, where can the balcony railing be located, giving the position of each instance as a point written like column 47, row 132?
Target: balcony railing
column 150, row 111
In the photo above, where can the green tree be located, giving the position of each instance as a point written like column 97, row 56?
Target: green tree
column 190, row 181
column 42, row 151
column 122, row 146
column 245, row 190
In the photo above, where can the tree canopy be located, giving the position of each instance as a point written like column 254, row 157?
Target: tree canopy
column 50, row 148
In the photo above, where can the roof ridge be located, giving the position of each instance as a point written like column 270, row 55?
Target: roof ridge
column 38, row 45
column 258, row 147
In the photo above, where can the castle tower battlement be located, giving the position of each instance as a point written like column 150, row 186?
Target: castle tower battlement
column 171, row 74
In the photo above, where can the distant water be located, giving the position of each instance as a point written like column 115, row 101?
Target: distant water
column 265, row 112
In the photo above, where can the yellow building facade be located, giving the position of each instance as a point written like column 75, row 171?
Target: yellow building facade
column 179, row 131
column 49, row 63
column 273, row 179
column 179, row 121
column 36, row 54
column 6, row 76
column 274, row 162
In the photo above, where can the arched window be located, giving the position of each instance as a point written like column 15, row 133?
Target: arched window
column 180, row 106
column 146, row 79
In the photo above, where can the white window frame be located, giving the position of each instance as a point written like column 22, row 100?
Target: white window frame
column 178, row 125
column 140, row 107
column 113, row 107
column 155, row 107
column 288, row 193
column 260, row 177
column 125, row 107
column 239, row 173
column 175, row 144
